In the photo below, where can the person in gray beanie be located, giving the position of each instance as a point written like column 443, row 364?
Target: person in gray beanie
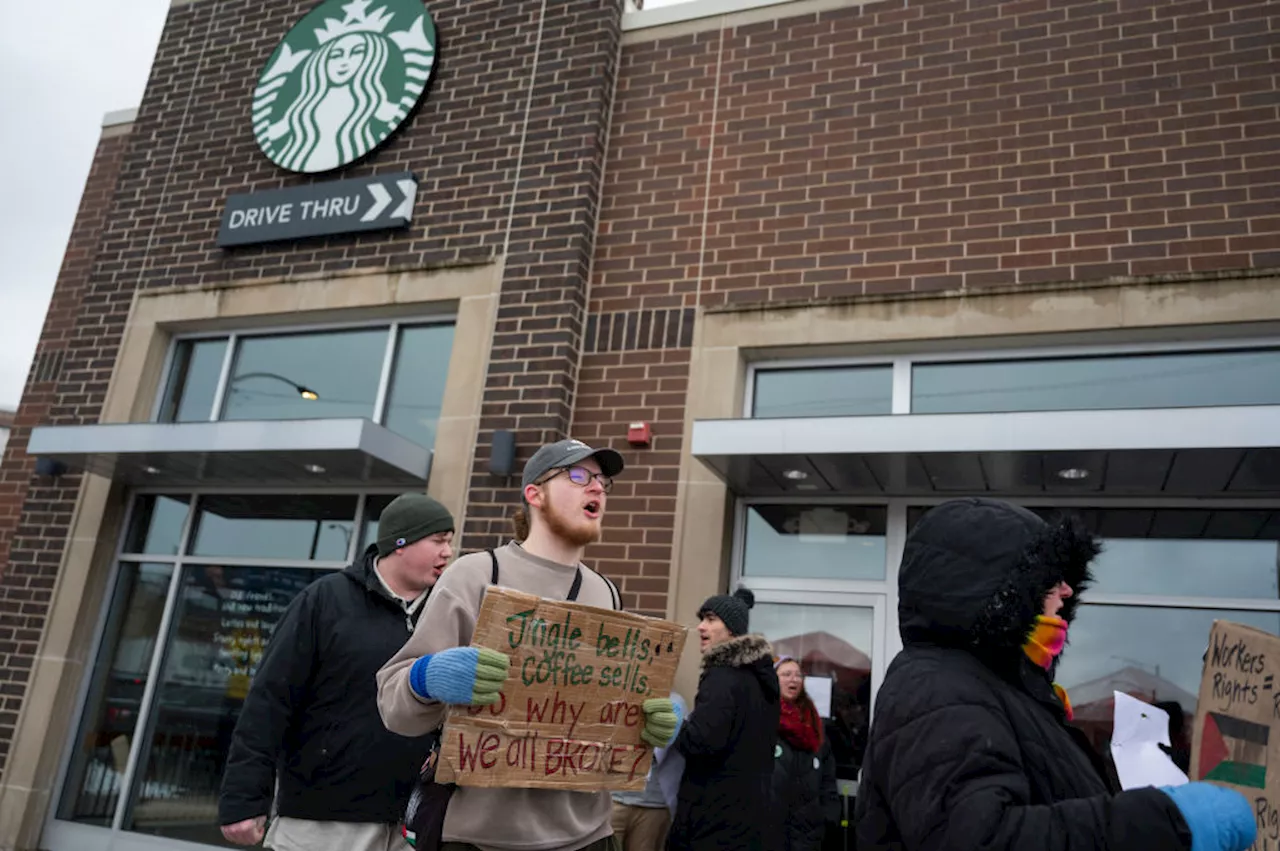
column 727, row 741
column 311, row 716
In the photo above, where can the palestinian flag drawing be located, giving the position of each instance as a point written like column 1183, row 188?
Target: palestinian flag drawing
column 1233, row 751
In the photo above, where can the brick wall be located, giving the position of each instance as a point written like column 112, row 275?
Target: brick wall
column 508, row 146
column 920, row 146
column 27, row 579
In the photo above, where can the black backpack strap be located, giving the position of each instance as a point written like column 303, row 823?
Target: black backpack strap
column 493, row 576
column 613, row 590
column 576, row 587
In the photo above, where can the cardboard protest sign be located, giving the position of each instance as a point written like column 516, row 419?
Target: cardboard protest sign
column 570, row 714
column 1236, row 738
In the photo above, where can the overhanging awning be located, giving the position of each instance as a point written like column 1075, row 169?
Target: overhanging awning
column 249, row 453
column 1167, row 451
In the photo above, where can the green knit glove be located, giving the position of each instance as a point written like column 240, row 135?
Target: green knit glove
column 662, row 719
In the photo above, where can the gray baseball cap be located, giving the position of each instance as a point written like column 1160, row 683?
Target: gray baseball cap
column 566, row 453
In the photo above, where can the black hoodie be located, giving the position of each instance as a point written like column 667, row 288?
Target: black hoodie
column 725, row 798
column 311, row 715
column 970, row 747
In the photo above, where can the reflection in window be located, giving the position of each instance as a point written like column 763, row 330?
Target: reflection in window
column 115, row 697
column 1153, row 654
column 156, row 526
column 306, row 376
column 193, row 381
column 815, row 541
column 823, row 392
column 417, row 382
column 832, row 643
column 278, row 526
column 224, row 619
column 374, row 505
column 1096, row 383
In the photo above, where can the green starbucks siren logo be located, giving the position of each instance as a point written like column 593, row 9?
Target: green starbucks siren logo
column 342, row 80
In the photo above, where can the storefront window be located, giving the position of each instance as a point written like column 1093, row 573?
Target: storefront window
column 156, row 528
column 373, row 507
column 1153, row 654
column 120, row 675
column 1191, row 379
column 417, row 383
column 815, row 541
column 833, row 645
column 202, row 621
column 193, row 381
column 336, row 374
column 332, row 374
column 224, row 619
column 314, row 527
column 823, row 392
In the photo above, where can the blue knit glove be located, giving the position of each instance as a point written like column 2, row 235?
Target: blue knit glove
column 461, row 675
column 1220, row 819
column 662, row 720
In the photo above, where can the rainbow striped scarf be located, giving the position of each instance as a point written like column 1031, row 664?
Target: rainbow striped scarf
column 1048, row 637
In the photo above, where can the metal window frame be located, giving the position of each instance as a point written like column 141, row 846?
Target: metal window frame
column 902, row 365
column 58, row 832
column 394, row 329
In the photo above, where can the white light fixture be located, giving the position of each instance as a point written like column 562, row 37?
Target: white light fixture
column 314, row 469
column 151, row 471
column 1073, row 474
column 795, row 475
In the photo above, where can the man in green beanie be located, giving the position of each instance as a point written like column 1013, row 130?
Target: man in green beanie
column 310, row 720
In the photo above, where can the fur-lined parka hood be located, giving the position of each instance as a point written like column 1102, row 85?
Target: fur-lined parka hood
column 738, row 652
column 749, row 652
column 975, row 573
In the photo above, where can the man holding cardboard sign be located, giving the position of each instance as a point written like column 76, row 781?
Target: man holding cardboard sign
column 565, row 490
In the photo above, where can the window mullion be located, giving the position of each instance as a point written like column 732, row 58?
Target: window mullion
column 228, row 357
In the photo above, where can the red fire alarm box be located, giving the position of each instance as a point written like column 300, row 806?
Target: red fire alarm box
column 639, row 434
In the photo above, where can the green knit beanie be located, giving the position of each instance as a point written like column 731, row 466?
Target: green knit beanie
column 411, row 517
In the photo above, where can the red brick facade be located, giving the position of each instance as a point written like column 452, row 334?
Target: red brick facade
column 876, row 149
column 29, row 570
column 915, row 146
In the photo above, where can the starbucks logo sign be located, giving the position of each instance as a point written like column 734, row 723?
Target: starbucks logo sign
column 342, row 80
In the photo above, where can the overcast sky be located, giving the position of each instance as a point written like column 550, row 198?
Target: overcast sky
column 65, row 64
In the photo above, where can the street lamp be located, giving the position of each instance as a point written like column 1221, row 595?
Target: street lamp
column 303, row 391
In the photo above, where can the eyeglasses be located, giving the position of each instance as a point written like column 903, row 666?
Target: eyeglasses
column 582, row 477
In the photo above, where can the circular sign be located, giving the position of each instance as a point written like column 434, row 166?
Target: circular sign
column 342, row 80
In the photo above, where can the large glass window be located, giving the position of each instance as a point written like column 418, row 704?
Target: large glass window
column 833, row 645
column 815, row 541
column 1153, row 654
column 120, row 675
column 224, row 618
column 193, row 380
column 1182, row 380
column 195, row 602
column 306, row 376
column 393, row 374
column 823, row 392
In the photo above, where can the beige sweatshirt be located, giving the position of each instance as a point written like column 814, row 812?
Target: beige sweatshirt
column 494, row 819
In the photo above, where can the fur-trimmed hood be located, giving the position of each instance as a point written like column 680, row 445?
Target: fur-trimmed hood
column 738, row 652
column 975, row 573
column 752, row 652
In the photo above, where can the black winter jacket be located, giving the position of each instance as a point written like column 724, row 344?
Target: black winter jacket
column 725, row 799
column 312, row 712
column 805, row 798
column 970, row 747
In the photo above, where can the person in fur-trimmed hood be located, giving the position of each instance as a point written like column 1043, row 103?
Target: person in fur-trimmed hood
column 970, row 747
column 727, row 741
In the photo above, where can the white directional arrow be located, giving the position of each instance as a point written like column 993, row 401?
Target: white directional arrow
column 410, row 190
column 381, row 198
